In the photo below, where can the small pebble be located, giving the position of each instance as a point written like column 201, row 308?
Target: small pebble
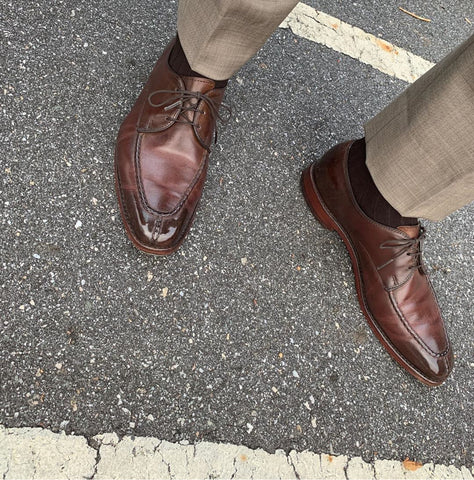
column 63, row 424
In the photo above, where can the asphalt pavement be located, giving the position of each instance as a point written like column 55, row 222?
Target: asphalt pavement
column 251, row 334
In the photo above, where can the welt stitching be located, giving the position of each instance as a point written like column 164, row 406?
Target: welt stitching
column 138, row 176
column 121, row 195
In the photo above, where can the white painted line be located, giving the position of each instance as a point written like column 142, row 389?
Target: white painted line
column 319, row 27
column 35, row 453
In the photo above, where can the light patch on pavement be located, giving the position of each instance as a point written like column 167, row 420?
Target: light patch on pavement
column 34, row 453
column 319, row 27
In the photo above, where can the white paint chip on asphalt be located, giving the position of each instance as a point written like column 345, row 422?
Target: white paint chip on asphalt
column 322, row 28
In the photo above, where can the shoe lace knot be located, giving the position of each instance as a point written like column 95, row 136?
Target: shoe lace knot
column 189, row 101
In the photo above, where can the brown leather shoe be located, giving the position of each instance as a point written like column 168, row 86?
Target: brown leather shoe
column 162, row 155
column 393, row 289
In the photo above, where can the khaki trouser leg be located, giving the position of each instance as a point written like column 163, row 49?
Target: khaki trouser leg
column 219, row 36
column 420, row 149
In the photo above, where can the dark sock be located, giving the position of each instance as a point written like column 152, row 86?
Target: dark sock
column 370, row 200
column 180, row 65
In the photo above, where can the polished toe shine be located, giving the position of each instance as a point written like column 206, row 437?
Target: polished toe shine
column 161, row 156
column 394, row 291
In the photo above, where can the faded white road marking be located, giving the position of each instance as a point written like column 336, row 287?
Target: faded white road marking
column 319, row 27
column 35, row 453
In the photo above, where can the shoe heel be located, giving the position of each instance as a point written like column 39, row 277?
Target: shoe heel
column 313, row 201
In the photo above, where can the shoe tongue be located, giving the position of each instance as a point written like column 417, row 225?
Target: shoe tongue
column 411, row 230
column 198, row 84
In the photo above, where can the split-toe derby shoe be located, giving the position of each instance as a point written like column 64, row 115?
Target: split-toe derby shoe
column 161, row 156
column 393, row 289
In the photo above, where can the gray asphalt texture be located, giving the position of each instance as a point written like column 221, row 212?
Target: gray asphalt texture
column 251, row 333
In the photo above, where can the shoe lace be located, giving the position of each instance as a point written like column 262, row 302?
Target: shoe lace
column 182, row 99
column 410, row 247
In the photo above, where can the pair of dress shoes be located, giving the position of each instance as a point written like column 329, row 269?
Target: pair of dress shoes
column 161, row 161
